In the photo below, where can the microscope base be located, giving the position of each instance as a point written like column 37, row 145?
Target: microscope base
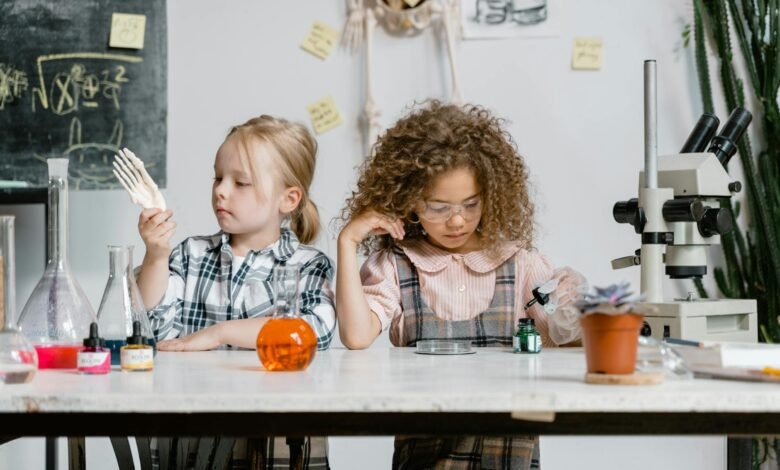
column 705, row 320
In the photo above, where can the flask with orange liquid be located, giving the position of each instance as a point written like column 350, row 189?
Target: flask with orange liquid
column 286, row 342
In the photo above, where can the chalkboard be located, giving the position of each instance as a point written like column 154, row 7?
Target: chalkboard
column 65, row 93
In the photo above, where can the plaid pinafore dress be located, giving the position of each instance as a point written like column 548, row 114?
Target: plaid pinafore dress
column 493, row 327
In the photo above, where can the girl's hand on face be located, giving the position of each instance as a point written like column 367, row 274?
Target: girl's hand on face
column 156, row 229
column 372, row 223
column 203, row 340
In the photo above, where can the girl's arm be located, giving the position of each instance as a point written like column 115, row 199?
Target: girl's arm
column 239, row 333
column 316, row 298
column 358, row 325
column 156, row 230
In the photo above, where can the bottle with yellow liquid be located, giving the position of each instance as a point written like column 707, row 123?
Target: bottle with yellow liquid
column 286, row 342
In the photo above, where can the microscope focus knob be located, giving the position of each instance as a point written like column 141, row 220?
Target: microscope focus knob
column 735, row 186
column 716, row 221
column 683, row 210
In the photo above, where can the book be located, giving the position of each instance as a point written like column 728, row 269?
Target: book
column 727, row 354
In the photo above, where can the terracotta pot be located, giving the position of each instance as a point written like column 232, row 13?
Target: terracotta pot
column 611, row 342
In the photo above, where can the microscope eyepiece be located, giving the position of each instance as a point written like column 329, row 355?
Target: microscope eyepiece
column 702, row 134
column 724, row 146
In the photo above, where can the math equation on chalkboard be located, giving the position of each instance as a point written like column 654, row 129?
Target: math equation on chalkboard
column 66, row 93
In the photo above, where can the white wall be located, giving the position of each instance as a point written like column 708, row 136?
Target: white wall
column 580, row 132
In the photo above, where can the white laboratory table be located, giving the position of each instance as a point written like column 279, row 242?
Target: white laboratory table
column 379, row 392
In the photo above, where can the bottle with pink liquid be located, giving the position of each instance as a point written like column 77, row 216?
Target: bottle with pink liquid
column 57, row 315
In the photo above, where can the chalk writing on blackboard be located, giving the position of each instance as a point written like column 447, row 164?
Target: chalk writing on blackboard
column 75, row 85
column 66, row 92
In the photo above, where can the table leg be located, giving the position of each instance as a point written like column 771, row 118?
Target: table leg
column 205, row 446
column 51, row 453
column 739, row 453
column 144, row 452
column 223, row 452
column 77, row 453
column 124, row 457
column 296, row 452
column 163, row 450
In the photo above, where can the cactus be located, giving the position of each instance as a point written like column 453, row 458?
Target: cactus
column 746, row 274
column 752, row 255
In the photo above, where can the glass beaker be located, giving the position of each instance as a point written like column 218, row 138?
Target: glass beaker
column 57, row 315
column 122, row 304
column 286, row 342
column 18, row 360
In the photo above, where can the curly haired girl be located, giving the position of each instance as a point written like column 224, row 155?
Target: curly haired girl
column 442, row 208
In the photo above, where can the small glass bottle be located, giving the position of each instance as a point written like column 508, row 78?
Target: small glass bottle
column 286, row 342
column 121, row 304
column 94, row 358
column 57, row 315
column 527, row 339
column 137, row 355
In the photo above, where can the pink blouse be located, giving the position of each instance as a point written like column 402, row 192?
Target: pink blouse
column 455, row 286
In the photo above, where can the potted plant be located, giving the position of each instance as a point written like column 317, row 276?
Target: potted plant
column 611, row 320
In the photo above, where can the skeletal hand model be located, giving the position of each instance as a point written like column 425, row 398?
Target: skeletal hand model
column 362, row 19
column 143, row 191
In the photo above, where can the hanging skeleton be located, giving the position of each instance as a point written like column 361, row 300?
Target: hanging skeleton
column 399, row 17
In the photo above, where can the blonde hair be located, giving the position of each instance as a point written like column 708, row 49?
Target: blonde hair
column 296, row 150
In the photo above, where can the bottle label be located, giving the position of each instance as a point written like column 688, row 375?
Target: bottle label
column 98, row 361
column 534, row 343
column 527, row 343
column 141, row 358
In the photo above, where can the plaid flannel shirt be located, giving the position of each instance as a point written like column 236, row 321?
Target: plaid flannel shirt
column 203, row 290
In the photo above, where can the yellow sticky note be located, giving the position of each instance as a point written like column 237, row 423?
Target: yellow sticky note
column 320, row 40
column 324, row 115
column 127, row 31
column 588, row 54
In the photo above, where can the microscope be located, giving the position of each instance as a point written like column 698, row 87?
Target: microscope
column 678, row 214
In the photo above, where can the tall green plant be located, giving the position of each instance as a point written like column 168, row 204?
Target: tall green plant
column 752, row 257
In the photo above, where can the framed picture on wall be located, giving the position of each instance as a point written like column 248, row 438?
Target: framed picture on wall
column 496, row 19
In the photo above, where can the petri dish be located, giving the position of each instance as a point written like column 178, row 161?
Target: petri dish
column 444, row 347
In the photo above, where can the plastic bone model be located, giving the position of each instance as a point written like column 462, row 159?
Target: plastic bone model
column 130, row 171
column 361, row 22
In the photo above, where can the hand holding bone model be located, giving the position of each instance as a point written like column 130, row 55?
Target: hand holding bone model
column 143, row 191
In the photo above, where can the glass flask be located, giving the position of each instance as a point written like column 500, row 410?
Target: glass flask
column 18, row 360
column 122, row 304
column 57, row 315
column 286, row 342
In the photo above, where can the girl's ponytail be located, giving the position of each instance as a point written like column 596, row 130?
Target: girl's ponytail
column 305, row 221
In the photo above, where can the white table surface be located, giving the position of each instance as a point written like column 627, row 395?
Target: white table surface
column 376, row 380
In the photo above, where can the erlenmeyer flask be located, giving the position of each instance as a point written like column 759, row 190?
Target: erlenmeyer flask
column 57, row 315
column 286, row 342
column 122, row 304
column 18, row 360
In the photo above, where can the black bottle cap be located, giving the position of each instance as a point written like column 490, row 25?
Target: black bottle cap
column 525, row 322
column 94, row 340
column 137, row 337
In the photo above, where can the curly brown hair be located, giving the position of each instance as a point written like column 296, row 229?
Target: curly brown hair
column 435, row 138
